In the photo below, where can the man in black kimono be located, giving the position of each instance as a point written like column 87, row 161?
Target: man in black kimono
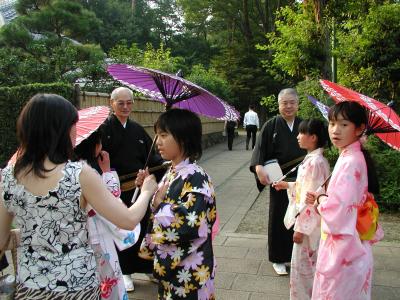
column 278, row 140
column 128, row 145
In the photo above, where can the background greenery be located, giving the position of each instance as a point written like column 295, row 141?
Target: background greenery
column 244, row 51
column 12, row 100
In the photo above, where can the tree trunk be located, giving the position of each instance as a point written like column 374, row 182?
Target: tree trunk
column 246, row 23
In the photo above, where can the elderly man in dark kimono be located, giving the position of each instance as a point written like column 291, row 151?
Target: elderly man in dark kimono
column 278, row 140
column 128, row 145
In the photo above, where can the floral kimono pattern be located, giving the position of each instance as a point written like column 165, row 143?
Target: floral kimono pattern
column 104, row 236
column 311, row 175
column 179, row 236
column 344, row 266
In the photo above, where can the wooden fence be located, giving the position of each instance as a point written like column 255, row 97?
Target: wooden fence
column 146, row 112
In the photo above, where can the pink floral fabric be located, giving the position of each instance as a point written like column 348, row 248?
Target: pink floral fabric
column 311, row 175
column 345, row 263
column 104, row 237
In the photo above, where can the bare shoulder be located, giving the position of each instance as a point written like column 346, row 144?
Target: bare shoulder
column 88, row 175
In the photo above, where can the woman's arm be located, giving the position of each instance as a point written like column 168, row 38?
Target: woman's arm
column 5, row 222
column 96, row 194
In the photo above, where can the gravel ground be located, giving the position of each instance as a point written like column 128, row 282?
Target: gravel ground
column 255, row 221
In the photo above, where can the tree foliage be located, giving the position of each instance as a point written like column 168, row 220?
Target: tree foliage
column 369, row 53
column 213, row 82
column 297, row 45
column 160, row 58
column 44, row 44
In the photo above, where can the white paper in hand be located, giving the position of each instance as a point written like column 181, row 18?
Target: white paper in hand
column 273, row 170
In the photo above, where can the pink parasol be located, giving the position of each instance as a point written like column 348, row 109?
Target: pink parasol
column 382, row 120
column 89, row 121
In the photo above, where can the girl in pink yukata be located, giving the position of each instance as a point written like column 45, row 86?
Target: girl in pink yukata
column 179, row 236
column 311, row 175
column 344, row 265
column 104, row 235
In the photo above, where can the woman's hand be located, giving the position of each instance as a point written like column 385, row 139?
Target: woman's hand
column 310, row 198
column 280, row 185
column 142, row 174
column 298, row 237
column 104, row 161
column 149, row 185
column 160, row 195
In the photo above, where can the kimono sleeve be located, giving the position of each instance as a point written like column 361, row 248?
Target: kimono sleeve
column 339, row 209
column 291, row 211
column 122, row 238
column 340, row 244
column 316, row 174
column 111, row 180
column 263, row 148
column 191, row 218
column 183, row 228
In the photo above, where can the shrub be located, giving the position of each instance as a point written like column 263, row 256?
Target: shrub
column 12, row 100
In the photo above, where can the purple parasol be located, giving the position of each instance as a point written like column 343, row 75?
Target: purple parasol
column 324, row 109
column 173, row 90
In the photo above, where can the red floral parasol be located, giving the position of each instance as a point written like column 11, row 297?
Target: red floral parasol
column 89, row 121
column 382, row 120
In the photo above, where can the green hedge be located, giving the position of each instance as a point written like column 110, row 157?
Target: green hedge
column 12, row 100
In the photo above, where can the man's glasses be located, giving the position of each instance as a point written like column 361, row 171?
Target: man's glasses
column 124, row 103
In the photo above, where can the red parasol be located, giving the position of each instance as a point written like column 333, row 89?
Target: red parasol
column 89, row 121
column 382, row 120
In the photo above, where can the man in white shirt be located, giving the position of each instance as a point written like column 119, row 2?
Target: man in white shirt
column 251, row 123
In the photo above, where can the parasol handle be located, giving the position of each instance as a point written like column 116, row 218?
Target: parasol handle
column 291, row 171
column 133, row 175
column 135, row 194
column 151, row 149
column 318, row 190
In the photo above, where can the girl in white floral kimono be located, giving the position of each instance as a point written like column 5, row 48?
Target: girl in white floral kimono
column 104, row 235
column 312, row 173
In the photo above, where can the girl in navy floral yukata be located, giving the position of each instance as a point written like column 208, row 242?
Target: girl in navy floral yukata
column 184, row 211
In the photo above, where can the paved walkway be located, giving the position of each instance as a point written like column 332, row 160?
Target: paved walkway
column 243, row 271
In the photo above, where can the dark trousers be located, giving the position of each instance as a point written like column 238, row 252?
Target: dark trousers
column 3, row 263
column 230, row 133
column 280, row 239
column 251, row 131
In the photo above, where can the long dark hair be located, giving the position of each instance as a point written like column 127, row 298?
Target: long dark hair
column 87, row 150
column 357, row 114
column 317, row 127
column 185, row 127
column 43, row 130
